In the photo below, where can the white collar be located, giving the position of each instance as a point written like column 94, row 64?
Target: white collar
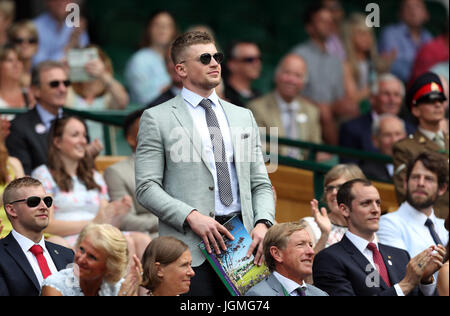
column 431, row 135
column 26, row 243
column 285, row 106
column 359, row 242
column 194, row 99
column 288, row 284
column 417, row 216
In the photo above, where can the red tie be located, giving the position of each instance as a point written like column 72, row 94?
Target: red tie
column 379, row 263
column 37, row 251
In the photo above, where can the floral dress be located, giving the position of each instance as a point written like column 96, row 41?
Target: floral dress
column 80, row 204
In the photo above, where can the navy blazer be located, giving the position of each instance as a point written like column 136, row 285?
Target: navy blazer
column 342, row 270
column 25, row 143
column 17, row 277
column 357, row 134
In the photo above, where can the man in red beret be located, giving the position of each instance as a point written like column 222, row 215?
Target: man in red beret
column 426, row 101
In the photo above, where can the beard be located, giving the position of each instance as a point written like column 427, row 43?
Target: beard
column 421, row 204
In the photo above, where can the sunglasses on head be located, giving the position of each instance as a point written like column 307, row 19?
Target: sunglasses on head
column 20, row 40
column 56, row 83
column 34, row 201
column 205, row 58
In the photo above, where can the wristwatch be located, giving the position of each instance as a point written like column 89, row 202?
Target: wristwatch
column 265, row 222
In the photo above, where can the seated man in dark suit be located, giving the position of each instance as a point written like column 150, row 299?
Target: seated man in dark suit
column 360, row 266
column 386, row 97
column 289, row 254
column 29, row 131
column 388, row 130
column 26, row 258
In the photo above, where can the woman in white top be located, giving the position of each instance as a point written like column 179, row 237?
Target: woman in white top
column 79, row 192
column 100, row 265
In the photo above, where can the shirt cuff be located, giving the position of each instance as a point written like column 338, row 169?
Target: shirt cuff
column 398, row 290
column 428, row 289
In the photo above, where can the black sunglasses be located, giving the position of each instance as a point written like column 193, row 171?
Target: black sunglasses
column 34, row 201
column 249, row 60
column 205, row 58
column 20, row 40
column 56, row 83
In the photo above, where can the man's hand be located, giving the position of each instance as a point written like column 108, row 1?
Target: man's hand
column 434, row 264
column 415, row 270
column 209, row 231
column 257, row 235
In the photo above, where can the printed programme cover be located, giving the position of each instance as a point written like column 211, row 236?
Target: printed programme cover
column 236, row 271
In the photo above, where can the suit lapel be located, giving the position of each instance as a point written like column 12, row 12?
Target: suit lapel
column 361, row 260
column 184, row 118
column 275, row 114
column 14, row 250
column 57, row 259
column 389, row 259
column 276, row 286
column 43, row 138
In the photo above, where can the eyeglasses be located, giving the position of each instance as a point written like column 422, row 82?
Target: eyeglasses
column 330, row 188
column 34, row 201
column 56, row 83
column 21, row 40
column 249, row 60
column 205, row 58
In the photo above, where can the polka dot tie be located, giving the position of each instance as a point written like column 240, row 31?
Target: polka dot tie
column 223, row 174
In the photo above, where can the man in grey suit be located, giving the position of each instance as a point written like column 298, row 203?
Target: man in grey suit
column 199, row 163
column 120, row 181
column 289, row 255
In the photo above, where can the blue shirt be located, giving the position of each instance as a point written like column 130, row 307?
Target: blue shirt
column 146, row 76
column 325, row 73
column 398, row 37
column 53, row 38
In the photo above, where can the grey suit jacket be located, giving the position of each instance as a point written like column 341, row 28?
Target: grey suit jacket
column 173, row 178
column 272, row 287
column 120, row 180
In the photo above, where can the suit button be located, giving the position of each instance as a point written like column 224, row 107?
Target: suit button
column 211, row 188
column 211, row 214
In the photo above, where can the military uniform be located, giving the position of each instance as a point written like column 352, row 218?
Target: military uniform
column 406, row 150
column 427, row 88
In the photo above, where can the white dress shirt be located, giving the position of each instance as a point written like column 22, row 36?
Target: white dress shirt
column 405, row 229
column 289, row 285
column 25, row 244
column 198, row 117
column 362, row 243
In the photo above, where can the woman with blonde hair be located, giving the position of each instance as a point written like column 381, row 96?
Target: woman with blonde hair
column 363, row 62
column 167, row 267
column 100, row 266
column 329, row 226
column 24, row 36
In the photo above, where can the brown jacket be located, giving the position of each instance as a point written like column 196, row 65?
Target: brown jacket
column 267, row 114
